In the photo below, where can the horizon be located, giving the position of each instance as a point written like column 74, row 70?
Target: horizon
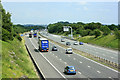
column 44, row 13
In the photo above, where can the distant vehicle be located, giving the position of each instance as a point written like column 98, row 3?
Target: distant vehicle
column 39, row 37
column 30, row 35
column 54, row 48
column 62, row 40
column 35, row 34
column 81, row 43
column 43, row 44
column 69, row 50
column 68, row 43
column 76, row 43
column 70, row 70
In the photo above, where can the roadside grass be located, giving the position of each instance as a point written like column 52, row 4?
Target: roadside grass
column 108, row 41
column 16, row 62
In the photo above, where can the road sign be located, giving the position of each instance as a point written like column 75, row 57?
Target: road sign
column 65, row 28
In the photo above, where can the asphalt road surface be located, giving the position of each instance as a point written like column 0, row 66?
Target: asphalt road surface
column 52, row 63
column 94, row 50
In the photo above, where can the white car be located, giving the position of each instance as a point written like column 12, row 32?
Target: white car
column 76, row 43
column 62, row 40
column 69, row 50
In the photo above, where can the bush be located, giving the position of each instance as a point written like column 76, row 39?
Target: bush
column 5, row 34
column 117, row 33
column 97, row 33
column 105, row 30
column 19, row 38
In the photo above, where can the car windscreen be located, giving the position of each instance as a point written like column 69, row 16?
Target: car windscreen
column 71, row 67
column 69, row 49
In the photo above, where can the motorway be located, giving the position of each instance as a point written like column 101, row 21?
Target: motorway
column 106, row 54
column 52, row 63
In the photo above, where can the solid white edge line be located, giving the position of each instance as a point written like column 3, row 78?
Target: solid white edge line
column 36, row 63
column 50, row 63
column 95, row 62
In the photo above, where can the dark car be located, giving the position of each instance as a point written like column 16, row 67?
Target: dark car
column 39, row 37
column 68, row 43
column 81, row 43
column 70, row 70
column 54, row 48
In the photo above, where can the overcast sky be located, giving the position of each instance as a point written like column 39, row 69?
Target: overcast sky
column 51, row 12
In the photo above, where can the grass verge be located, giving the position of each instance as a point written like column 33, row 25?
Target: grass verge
column 108, row 41
column 16, row 62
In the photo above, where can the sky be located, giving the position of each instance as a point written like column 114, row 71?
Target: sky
column 39, row 12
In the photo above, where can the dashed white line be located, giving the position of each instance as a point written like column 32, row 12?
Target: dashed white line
column 65, row 62
column 89, row 66
column 50, row 63
column 79, row 72
column 56, row 57
column 98, row 71
column 60, row 59
column 80, row 62
column 74, row 58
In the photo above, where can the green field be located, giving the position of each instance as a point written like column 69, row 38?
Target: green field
column 16, row 62
column 108, row 41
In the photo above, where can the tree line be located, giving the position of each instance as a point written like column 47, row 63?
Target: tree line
column 83, row 29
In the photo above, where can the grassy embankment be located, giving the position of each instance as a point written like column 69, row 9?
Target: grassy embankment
column 16, row 62
column 108, row 41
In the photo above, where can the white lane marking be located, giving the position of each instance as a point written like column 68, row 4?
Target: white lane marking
column 60, row 59
column 79, row 72
column 65, row 62
column 98, row 63
column 37, row 65
column 74, row 58
column 56, row 57
column 50, row 52
column 109, row 77
column 53, row 54
column 50, row 63
column 89, row 66
column 98, row 71
column 80, row 62
column 94, row 61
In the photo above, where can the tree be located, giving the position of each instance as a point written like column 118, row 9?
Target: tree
column 97, row 33
column 105, row 30
column 5, row 34
column 117, row 33
column 7, row 24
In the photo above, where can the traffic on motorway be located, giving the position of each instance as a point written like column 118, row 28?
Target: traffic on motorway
column 76, row 68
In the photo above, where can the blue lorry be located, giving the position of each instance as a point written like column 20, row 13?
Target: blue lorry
column 43, row 44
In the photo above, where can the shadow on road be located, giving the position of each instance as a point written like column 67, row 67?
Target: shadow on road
column 36, row 50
